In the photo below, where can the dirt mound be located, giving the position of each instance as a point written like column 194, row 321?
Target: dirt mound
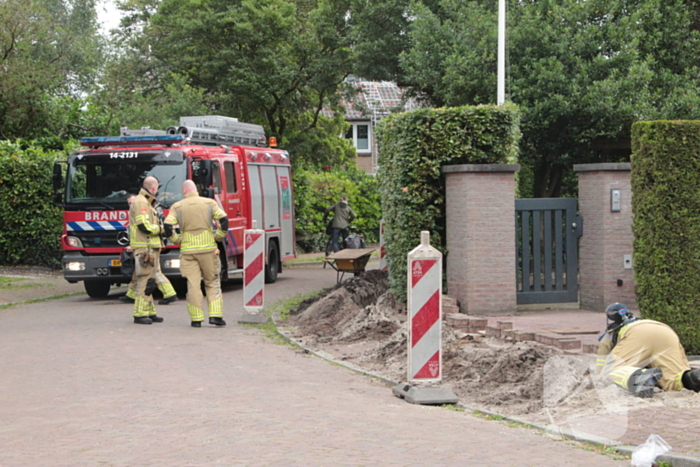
column 360, row 321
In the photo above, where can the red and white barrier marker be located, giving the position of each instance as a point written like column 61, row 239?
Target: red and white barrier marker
column 425, row 310
column 253, row 275
column 425, row 327
column 382, row 248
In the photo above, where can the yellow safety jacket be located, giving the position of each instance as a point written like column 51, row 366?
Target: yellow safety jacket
column 143, row 212
column 195, row 216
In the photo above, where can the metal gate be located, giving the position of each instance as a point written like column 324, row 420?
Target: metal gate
column 546, row 243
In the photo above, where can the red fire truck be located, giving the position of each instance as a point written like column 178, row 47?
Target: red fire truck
column 227, row 159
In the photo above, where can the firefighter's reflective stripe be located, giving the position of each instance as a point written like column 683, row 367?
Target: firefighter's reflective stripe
column 197, row 243
column 621, row 375
column 196, row 314
column 216, row 307
column 678, row 382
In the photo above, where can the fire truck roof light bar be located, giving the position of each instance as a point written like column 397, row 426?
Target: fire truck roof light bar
column 131, row 140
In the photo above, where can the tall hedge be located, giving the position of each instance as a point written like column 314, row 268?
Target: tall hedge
column 666, row 207
column 31, row 224
column 412, row 149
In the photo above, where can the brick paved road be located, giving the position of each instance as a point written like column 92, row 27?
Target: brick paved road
column 83, row 386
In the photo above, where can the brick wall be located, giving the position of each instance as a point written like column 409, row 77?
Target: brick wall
column 480, row 261
column 607, row 237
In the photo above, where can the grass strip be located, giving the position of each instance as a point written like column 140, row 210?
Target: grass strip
column 38, row 300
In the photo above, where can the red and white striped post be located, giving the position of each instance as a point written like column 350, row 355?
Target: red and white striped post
column 425, row 327
column 253, row 275
column 425, row 311
column 382, row 248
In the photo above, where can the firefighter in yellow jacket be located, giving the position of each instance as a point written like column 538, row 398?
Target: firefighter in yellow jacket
column 145, row 239
column 199, row 255
column 162, row 282
column 640, row 354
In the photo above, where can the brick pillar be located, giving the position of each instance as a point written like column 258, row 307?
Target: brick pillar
column 480, row 210
column 607, row 237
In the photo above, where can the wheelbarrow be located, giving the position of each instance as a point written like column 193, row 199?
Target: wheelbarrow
column 352, row 260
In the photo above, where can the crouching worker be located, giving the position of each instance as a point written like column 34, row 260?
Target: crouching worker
column 640, row 354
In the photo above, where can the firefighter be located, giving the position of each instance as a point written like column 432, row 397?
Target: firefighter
column 145, row 240
column 199, row 254
column 162, row 282
column 640, row 354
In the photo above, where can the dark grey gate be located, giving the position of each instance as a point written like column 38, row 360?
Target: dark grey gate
column 546, row 242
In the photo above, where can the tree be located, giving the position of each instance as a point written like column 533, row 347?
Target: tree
column 274, row 62
column 581, row 71
column 49, row 52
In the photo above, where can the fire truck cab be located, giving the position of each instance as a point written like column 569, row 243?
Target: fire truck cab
column 227, row 159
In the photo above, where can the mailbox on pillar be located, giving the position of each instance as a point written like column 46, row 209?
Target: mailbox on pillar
column 615, row 200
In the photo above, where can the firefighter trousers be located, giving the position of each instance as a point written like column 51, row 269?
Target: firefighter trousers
column 145, row 260
column 198, row 267
column 164, row 285
column 648, row 344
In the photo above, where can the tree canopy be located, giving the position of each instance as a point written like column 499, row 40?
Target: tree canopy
column 50, row 52
column 582, row 71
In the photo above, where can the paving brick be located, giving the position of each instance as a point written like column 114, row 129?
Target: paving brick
column 568, row 344
column 524, row 336
column 504, row 324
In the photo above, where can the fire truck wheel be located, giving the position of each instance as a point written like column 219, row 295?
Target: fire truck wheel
column 97, row 289
column 272, row 266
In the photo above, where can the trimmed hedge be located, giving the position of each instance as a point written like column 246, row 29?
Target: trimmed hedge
column 31, row 224
column 314, row 192
column 413, row 148
column 666, row 207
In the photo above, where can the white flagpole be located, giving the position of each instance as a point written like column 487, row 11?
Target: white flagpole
column 501, row 88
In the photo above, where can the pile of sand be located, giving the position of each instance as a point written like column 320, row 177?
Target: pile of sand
column 361, row 322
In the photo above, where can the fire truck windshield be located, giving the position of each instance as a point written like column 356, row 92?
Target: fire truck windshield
column 103, row 181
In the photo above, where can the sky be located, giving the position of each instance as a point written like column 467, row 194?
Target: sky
column 108, row 15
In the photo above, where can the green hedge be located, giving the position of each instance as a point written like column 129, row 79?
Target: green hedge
column 666, row 206
column 314, row 192
column 32, row 225
column 413, row 148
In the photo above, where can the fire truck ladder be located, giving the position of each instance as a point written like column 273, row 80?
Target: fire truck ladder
column 216, row 130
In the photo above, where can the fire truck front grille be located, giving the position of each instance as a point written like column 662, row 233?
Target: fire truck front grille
column 98, row 239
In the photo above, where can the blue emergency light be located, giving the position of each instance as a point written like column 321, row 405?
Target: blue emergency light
column 131, row 140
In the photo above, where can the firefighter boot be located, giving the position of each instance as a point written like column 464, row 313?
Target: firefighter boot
column 196, row 324
column 156, row 318
column 643, row 381
column 217, row 321
column 691, row 380
column 168, row 301
column 142, row 320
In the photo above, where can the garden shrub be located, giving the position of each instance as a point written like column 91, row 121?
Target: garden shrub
column 32, row 224
column 315, row 191
column 413, row 147
column 665, row 182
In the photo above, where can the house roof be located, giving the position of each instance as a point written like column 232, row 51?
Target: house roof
column 375, row 98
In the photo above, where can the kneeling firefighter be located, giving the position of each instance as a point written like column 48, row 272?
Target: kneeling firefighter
column 640, row 354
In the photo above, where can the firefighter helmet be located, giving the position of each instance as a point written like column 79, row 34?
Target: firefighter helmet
column 617, row 312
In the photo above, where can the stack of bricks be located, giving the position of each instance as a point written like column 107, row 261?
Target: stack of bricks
column 468, row 324
column 449, row 306
column 504, row 330
column 498, row 330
